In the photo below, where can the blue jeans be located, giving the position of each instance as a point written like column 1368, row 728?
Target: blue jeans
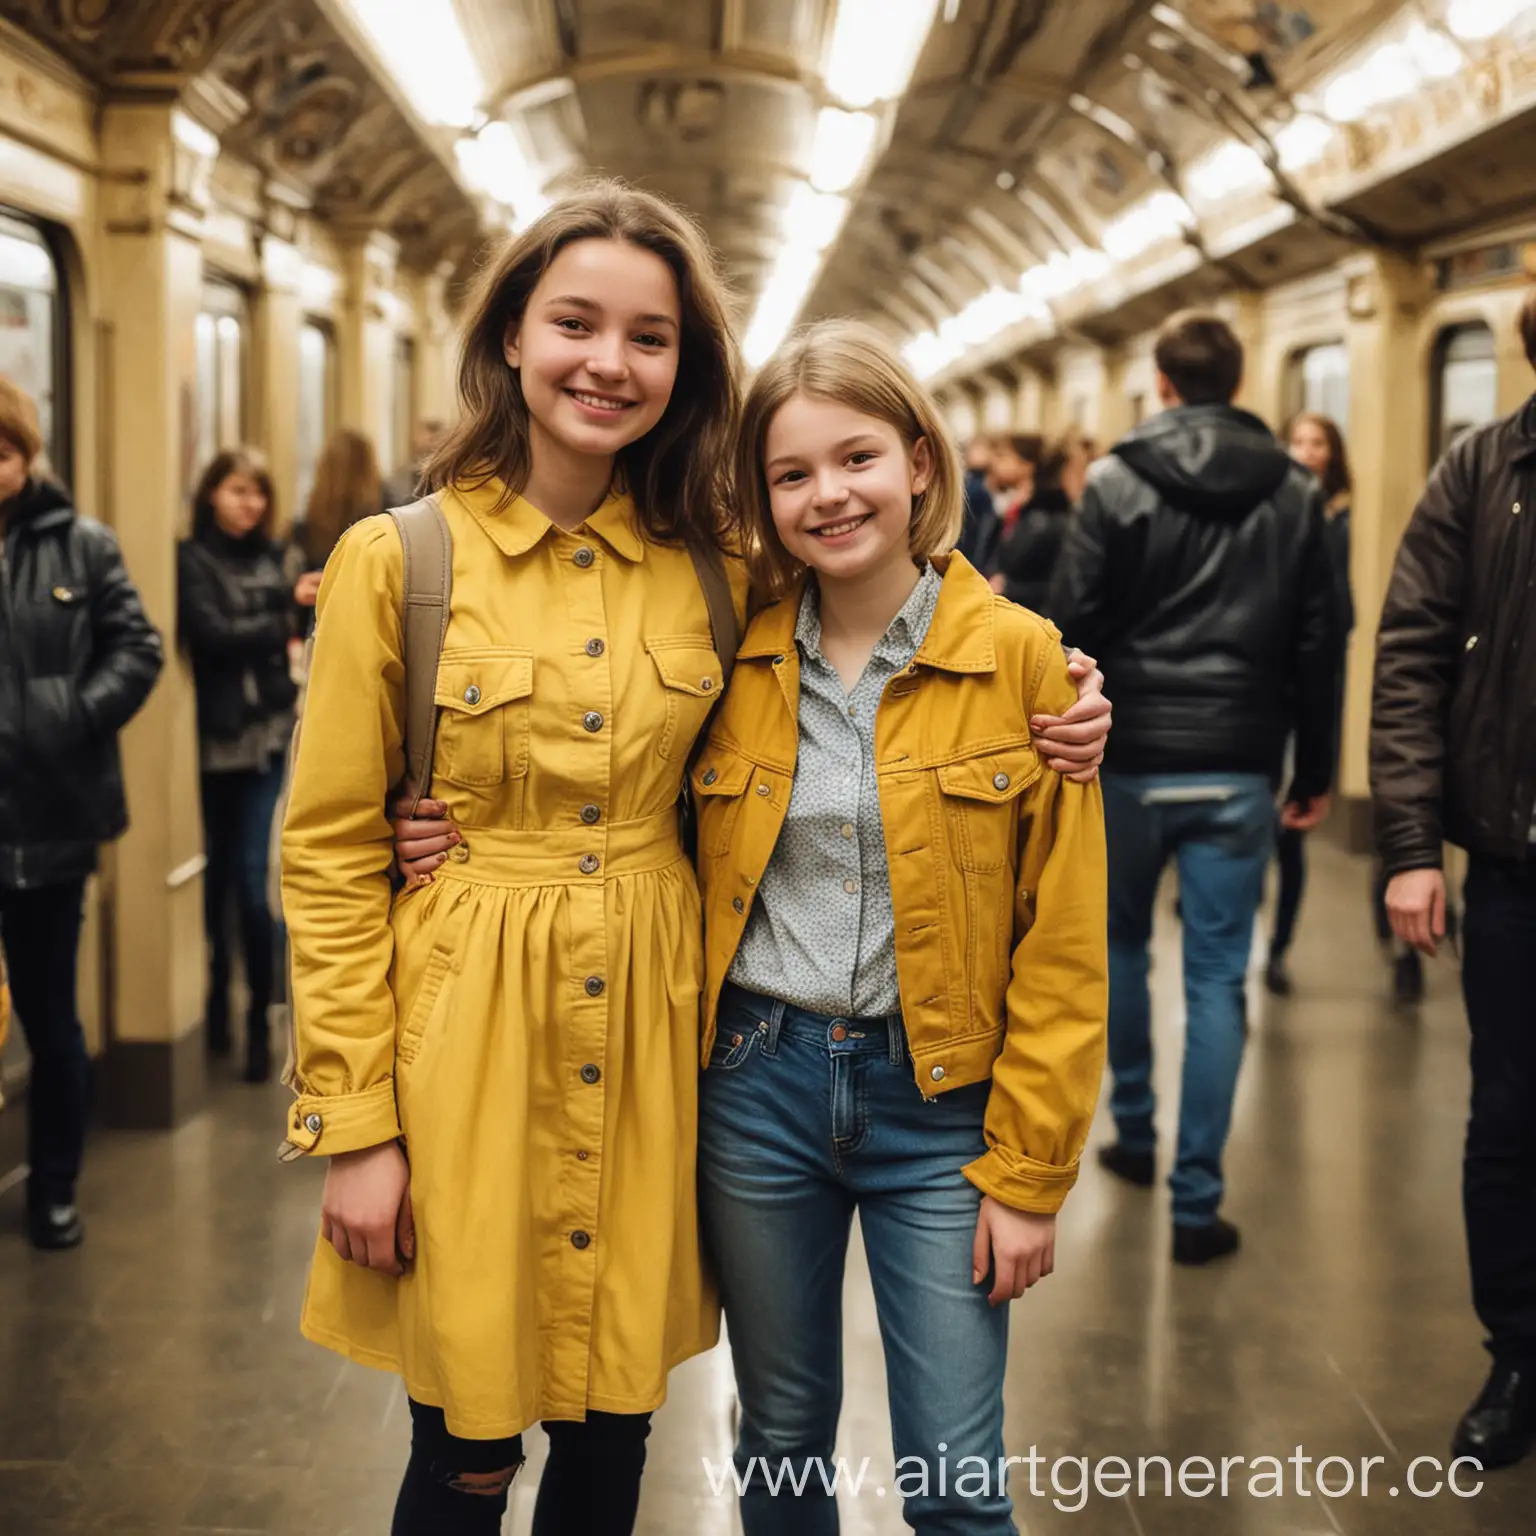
column 803, row 1119
column 1221, row 829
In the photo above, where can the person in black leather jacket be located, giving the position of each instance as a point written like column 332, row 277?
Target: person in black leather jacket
column 238, row 613
column 78, row 658
column 1034, row 530
column 1198, row 571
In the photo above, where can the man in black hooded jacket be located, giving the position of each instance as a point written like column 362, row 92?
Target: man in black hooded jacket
column 78, row 658
column 1198, row 572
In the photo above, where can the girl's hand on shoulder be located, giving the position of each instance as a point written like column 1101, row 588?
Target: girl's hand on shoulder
column 365, row 1211
column 422, row 839
column 1073, row 743
column 1018, row 1246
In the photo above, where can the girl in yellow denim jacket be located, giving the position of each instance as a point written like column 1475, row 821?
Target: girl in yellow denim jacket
column 906, row 970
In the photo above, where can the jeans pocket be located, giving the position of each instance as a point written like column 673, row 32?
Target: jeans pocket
column 735, row 1042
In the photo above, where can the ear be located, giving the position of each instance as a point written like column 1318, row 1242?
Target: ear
column 922, row 466
column 511, row 344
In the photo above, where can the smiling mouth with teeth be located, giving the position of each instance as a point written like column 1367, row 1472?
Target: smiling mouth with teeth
column 600, row 402
column 836, row 530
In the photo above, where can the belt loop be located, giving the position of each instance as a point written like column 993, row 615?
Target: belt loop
column 897, row 1035
column 775, row 1022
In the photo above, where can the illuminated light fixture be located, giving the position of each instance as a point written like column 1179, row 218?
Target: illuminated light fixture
column 1063, row 273
column 813, row 219
column 875, row 47
column 780, row 302
column 926, row 355
column 842, row 147
column 427, row 55
column 1390, row 72
column 1474, row 20
column 1163, row 216
column 1229, row 170
column 1303, row 142
column 495, row 162
column 1436, row 56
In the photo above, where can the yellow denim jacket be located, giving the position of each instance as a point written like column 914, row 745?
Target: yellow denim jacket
column 997, row 867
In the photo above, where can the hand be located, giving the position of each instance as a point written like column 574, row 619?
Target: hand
column 1304, row 815
column 306, row 591
column 365, row 1211
column 998, row 582
column 1073, row 743
column 1019, row 1245
column 422, row 841
column 1416, row 908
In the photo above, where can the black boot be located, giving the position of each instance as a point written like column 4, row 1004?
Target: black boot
column 216, row 1026
column 258, row 1047
column 1277, row 979
column 1200, row 1245
column 53, row 1225
column 1138, row 1168
column 1499, row 1427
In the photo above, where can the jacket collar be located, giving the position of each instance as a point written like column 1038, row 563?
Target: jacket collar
column 518, row 525
column 960, row 638
column 39, row 505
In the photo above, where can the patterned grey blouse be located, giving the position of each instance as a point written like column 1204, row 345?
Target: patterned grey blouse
column 822, row 935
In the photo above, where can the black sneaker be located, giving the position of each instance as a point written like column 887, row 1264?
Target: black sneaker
column 1408, row 980
column 1138, row 1168
column 1499, row 1427
column 53, row 1227
column 1277, row 980
column 1200, row 1245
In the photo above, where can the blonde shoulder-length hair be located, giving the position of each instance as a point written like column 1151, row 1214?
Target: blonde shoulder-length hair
column 843, row 363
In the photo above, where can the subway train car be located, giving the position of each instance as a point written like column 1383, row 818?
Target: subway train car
column 250, row 224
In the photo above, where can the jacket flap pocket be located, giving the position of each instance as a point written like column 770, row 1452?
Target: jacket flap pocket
column 472, row 682
column 687, row 664
column 996, row 777
column 721, row 773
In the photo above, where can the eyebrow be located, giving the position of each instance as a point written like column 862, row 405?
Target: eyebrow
column 575, row 301
column 842, row 447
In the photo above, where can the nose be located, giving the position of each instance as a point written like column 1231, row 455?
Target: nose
column 607, row 359
column 829, row 489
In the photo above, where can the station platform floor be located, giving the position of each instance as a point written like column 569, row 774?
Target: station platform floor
column 154, row 1381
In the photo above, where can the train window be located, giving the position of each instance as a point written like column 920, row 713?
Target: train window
column 317, row 372
column 404, row 401
column 33, row 353
column 1320, row 382
column 1466, row 383
column 221, row 331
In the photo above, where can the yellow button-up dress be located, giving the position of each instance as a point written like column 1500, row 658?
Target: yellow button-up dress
column 529, row 1021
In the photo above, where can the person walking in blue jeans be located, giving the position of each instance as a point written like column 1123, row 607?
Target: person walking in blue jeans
column 1199, row 570
column 904, row 949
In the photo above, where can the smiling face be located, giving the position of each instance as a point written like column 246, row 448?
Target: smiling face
column 841, row 486
column 597, row 346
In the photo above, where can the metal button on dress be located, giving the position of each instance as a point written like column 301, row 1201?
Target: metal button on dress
column 471, row 695
column 839, row 1031
column 592, row 720
column 581, row 1157
column 764, row 790
column 590, row 1074
column 707, row 684
column 594, row 986
column 590, row 864
column 595, row 647
column 591, row 815
column 459, row 853
column 710, row 776
column 937, row 1074
column 738, row 906
column 583, row 557
column 312, row 1124
column 1001, row 781
column 580, row 1240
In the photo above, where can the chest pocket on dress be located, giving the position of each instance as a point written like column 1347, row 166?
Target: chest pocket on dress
column 690, row 679
column 981, row 798
column 482, row 731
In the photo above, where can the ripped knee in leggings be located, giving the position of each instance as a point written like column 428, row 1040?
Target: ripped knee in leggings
column 488, row 1485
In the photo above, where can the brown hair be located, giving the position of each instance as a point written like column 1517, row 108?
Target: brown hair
column 233, row 461
column 18, row 421
column 1337, row 480
column 844, row 362
column 1527, row 325
column 678, row 472
column 1200, row 355
column 347, row 486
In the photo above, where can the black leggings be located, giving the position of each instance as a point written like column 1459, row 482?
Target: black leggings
column 590, row 1486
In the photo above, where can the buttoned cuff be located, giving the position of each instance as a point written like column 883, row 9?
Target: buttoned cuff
column 1020, row 1182
column 326, row 1124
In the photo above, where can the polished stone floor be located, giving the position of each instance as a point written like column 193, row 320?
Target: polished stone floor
column 154, row 1381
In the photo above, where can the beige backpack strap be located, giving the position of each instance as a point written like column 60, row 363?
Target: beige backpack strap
column 709, row 567
column 428, row 545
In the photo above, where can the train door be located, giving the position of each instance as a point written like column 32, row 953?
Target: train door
column 1464, row 385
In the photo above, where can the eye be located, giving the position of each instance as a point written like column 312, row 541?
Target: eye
column 862, row 457
column 571, row 325
column 790, row 477
column 650, row 339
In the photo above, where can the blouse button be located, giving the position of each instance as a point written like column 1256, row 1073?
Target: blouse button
column 851, row 886
column 593, row 721
column 582, row 1156
column 1001, row 781
column 738, row 905
column 590, row 1074
column 583, row 557
column 460, row 853
column 595, row 647
column 594, row 986
column 591, row 815
column 590, row 864
column 580, row 1240
column 472, row 695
